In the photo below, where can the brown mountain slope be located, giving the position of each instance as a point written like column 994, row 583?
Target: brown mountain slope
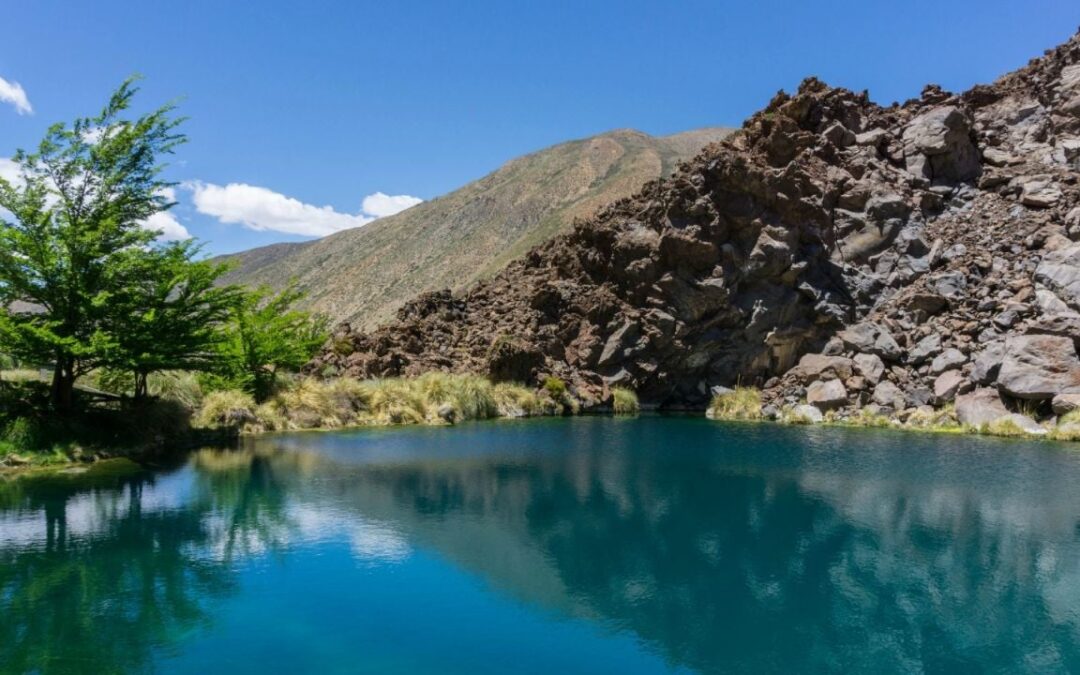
column 834, row 252
column 364, row 275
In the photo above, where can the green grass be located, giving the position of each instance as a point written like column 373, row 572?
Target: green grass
column 743, row 403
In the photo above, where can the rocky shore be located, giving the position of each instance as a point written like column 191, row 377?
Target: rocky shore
column 835, row 253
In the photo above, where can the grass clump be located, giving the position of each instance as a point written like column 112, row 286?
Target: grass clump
column 934, row 419
column 516, row 400
column 1002, row 427
column 741, row 403
column 226, row 409
column 624, row 401
column 869, row 418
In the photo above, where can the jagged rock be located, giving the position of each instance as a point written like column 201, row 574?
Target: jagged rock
column 980, row 407
column 1040, row 192
column 938, row 147
column 987, row 363
column 1059, row 271
column 950, row 358
column 1065, row 402
column 1038, row 367
column 786, row 244
column 870, row 367
column 867, row 337
column 820, row 367
column 925, row 349
column 946, row 385
column 827, row 394
column 888, row 395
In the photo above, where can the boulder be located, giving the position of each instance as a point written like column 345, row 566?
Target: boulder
column 820, row 367
column 948, row 359
column 888, row 395
column 984, row 370
column 1059, row 271
column 870, row 338
column 1039, row 191
column 925, row 349
column 827, row 394
column 1037, row 367
column 807, row 414
column 870, row 366
column 938, row 147
column 1025, row 423
column 946, row 385
column 1065, row 402
column 980, row 407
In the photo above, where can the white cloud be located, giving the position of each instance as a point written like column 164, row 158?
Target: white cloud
column 13, row 93
column 259, row 208
column 9, row 171
column 381, row 205
column 168, row 227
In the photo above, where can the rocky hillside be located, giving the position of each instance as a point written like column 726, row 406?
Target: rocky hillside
column 364, row 275
column 834, row 252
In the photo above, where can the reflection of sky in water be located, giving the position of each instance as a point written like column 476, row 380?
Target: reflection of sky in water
column 767, row 547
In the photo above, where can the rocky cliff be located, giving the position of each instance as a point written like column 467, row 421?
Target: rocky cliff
column 833, row 251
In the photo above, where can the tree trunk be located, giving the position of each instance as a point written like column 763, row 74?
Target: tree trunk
column 63, row 385
column 141, row 386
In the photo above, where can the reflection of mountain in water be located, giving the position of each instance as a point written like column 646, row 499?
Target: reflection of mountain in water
column 955, row 555
column 724, row 548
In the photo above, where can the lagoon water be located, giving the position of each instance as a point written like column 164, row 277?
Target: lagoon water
column 591, row 545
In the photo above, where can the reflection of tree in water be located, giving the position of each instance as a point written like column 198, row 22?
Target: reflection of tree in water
column 133, row 579
column 726, row 569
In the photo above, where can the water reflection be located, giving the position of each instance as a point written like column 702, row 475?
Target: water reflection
column 719, row 548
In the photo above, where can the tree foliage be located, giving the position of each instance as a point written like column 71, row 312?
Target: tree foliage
column 264, row 335
column 82, row 284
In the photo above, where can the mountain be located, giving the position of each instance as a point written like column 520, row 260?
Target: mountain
column 364, row 275
column 833, row 252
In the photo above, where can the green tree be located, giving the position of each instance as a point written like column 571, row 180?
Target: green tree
column 265, row 334
column 170, row 317
column 75, row 240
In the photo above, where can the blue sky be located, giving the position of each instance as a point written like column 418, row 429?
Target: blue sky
column 299, row 110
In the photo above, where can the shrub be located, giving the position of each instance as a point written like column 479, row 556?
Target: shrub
column 1002, row 427
column 227, row 408
column 515, row 400
column 181, row 386
column 742, row 403
column 555, row 387
column 941, row 419
column 624, row 401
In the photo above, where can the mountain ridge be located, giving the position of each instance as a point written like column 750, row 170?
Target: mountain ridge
column 365, row 274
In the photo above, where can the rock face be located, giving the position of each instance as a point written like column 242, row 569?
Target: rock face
column 833, row 252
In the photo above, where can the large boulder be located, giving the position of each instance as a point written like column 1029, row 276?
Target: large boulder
column 1059, row 271
column 827, row 394
column 987, row 363
column 870, row 366
column 821, row 367
column 870, row 338
column 980, row 407
column 938, row 147
column 1066, row 402
column 947, row 360
column 1036, row 367
column 946, row 385
column 888, row 395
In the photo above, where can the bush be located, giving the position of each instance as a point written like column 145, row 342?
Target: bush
column 742, row 403
column 941, row 419
column 515, row 400
column 624, row 401
column 555, row 387
column 228, row 408
column 181, row 386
